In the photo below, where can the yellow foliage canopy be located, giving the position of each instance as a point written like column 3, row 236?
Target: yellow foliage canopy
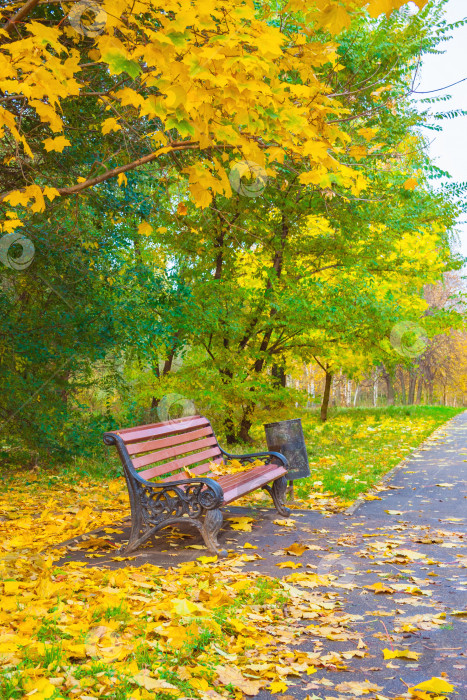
column 215, row 74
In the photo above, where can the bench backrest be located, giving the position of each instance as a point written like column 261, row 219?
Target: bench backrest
column 172, row 447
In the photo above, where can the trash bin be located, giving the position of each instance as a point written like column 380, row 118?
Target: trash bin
column 287, row 437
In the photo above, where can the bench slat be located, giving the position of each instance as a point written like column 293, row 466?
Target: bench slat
column 145, row 432
column 150, row 445
column 239, row 477
column 178, row 464
column 160, row 424
column 183, row 449
column 241, row 486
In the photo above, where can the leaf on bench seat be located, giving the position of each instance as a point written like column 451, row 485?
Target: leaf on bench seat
column 234, row 466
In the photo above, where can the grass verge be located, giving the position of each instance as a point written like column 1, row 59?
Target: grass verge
column 352, row 451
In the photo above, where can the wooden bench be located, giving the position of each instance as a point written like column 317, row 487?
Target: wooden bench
column 163, row 452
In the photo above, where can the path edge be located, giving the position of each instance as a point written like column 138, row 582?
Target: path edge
column 388, row 476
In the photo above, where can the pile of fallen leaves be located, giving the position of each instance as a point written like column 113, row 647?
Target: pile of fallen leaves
column 204, row 629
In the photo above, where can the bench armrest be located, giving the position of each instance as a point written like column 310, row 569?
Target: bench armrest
column 245, row 459
column 207, row 492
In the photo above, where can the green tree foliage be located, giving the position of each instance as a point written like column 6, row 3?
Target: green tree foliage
column 135, row 292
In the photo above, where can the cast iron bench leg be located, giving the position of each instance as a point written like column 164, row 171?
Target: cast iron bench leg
column 277, row 491
column 212, row 523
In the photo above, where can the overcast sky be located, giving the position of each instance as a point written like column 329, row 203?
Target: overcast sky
column 449, row 147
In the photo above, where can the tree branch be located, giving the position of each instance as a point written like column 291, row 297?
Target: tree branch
column 74, row 189
column 25, row 10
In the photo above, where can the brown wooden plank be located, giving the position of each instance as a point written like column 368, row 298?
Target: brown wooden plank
column 201, row 469
column 240, row 477
column 151, row 445
column 235, row 491
column 176, row 464
column 171, row 452
column 180, row 476
column 156, row 425
column 144, row 432
column 162, row 429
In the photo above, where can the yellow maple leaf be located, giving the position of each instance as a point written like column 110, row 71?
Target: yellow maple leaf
column 56, row 144
column 242, row 523
column 183, row 606
column 380, row 588
column 289, row 565
column 110, row 124
column 50, row 193
column 400, row 654
column 145, row 229
column 334, row 18
column 35, row 192
column 207, row 560
column 42, row 688
column 230, row 675
column 378, row 7
column 16, row 197
column 278, row 687
column 285, row 522
column 434, row 685
column 47, row 114
column 295, row 549
column 410, row 184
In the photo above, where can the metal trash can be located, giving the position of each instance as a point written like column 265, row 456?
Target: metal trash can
column 287, row 437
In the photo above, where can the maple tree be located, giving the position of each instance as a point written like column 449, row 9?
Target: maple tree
column 127, row 134
column 167, row 82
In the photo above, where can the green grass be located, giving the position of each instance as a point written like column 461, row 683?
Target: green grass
column 356, row 447
column 350, row 452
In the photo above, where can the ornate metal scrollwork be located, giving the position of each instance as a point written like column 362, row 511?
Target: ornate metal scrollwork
column 277, row 492
column 163, row 502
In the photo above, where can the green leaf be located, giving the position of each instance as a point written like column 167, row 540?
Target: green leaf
column 119, row 64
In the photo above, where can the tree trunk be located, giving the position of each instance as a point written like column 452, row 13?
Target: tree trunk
column 389, row 387
column 230, row 435
column 402, row 381
column 419, row 391
column 154, row 401
column 412, row 386
column 375, row 388
column 430, row 392
column 355, row 396
column 326, row 396
column 278, row 372
column 245, row 425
